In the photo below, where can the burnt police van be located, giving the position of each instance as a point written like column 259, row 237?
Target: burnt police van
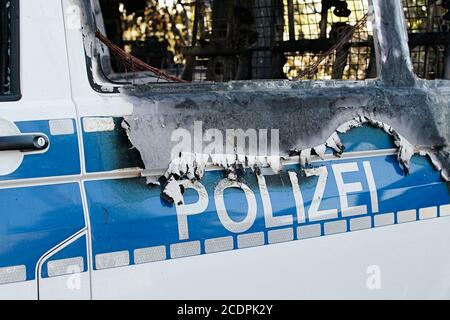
column 121, row 180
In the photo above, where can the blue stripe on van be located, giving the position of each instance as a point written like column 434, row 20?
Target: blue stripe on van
column 62, row 157
column 127, row 214
column 110, row 150
column 35, row 219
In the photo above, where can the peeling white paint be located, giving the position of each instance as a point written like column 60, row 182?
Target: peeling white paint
column 305, row 157
column 405, row 149
column 251, row 161
column 173, row 191
column 201, row 160
column 190, row 166
column 274, row 163
column 320, row 150
column 334, row 143
column 152, row 180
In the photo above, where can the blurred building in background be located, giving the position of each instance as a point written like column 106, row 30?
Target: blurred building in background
column 223, row 40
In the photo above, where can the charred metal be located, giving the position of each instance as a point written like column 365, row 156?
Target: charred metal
column 308, row 114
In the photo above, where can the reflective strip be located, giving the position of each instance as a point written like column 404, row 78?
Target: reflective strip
column 406, row 216
column 112, row 260
column 185, row 249
column 250, row 240
column 383, row 219
column 281, row 235
column 98, row 124
column 309, row 231
column 335, row 227
column 360, row 223
column 151, row 254
column 444, row 210
column 13, row 274
column 61, row 127
column 427, row 213
column 219, row 244
column 65, row 266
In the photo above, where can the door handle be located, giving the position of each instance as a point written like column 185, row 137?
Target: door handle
column 24, row 143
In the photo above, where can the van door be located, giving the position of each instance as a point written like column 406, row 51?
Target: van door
column 238, row 239
column 43, row 251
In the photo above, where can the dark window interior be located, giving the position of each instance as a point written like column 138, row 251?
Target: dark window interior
column 223, row 40
column 9, row 72
column 5, row 71
column 429, row 38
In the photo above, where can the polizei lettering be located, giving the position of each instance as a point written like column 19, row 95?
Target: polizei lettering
column 343, row 189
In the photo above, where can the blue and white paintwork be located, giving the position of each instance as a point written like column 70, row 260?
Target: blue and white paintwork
column 78, row 221
column 155, row 230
